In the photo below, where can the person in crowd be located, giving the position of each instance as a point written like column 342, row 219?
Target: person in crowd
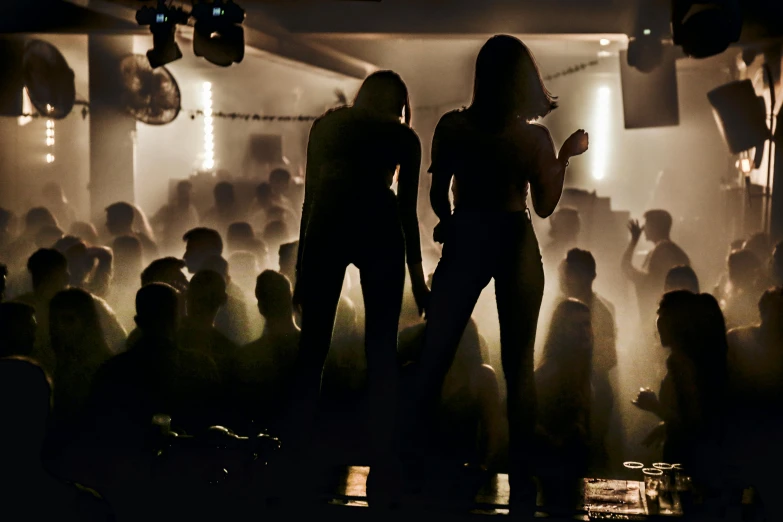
column 17, row 329
column 225, row 210
column 206, row 294
column 681, row 278
column 287, row 256
column 167, row 270
column 155, row 376
column 200, row 244
column 693, row 393
column 577, row 274
column 565, row 226
column 177, row 217
column 353, row 152
column 265, row 199
column 233, row 316
column 265, row 366
column 739, row 299
column 759, row 244
column 124, row 219
column 129, row 260
column 84, row 231
column 244, row 271
column 54, row 199
column 30, row 492
column 489, row 233
column 665, row 255
column 49, row 272
column 563, row 388
column 242, row 237
column 280, row 181
column 80, row 349
column 90, row 267
column 276, row 233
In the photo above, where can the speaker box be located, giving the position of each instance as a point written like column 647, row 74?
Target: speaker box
column 12, row 77
column 650, row 99
column 741, row 115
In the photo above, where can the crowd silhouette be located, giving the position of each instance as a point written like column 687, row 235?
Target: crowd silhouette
column 113, row 358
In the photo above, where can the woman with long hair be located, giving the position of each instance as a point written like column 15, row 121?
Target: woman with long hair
column 493, row 152
column 351, row 216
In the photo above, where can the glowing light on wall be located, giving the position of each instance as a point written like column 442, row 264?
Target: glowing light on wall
column 604, row 42
column 49, row 140
column 209, row 129
column 599, row 134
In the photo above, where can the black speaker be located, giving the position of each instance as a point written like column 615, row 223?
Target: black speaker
column 741, row 115
column 12, row 78
column 650, row 98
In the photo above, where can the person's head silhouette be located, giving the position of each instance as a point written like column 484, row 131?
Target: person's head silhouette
column 274, row 295
column 744, row 269
column 384, row 95
column 37, row 218
column 287, row 254
column 74, row 325
column 157, row 310
column 280, row 181
column 692, row 324
column 577, row 273
column 224, row 195
column 166, row 270
column 206, row 294
column 119, row 218
column 264, row 195
column 681, row 278
column 565, row 225
column 49, row 272
column 569, row 342
column 240, row 236
column 17, row 329
column 184, row 193
column 201, row 243
column 657, row 225
column 508, row 85
column 759, row 244
column 25, row 402
column 771, row 310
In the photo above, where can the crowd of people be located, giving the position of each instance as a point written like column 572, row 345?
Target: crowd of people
column 227, row 317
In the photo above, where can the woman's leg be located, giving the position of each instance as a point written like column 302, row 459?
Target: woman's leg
column 519, row 288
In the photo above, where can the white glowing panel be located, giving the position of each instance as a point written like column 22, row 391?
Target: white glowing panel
column 599, row 133
column 209, row 129
column 49, row 140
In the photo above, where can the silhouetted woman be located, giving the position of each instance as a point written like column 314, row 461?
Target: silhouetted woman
column 493, row 153
column 351, row 216
column 692, row 396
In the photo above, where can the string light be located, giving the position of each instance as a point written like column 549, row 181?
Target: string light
column 49, row 139
column 209, row 129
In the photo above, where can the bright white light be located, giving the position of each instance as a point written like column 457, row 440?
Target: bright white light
column 647, row 32
column 208, row 119
column 208, row 114
column 207, row 86
column 209, row 165
column 50, row 133
column 604, row 42
column 49, row 108
column 50, row 158
column 49, row 124
column 49, row 142
column 599, row 150
column 209, row 129
column 745, row 166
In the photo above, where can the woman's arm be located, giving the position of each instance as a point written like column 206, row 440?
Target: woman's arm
column 547, row 180
column 407, row 203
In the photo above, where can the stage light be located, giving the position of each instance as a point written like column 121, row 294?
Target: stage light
column 645, row 52
column 604, row 42
column 163, row 22
column 49, row 140
column 50, row 158
column 705, row 28
column 218, row 35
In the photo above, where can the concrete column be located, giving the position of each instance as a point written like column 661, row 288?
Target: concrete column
column 112, row 130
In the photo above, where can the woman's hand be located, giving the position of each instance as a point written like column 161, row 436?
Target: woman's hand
column 576, row 144
column 656, row 437
column 647, row 400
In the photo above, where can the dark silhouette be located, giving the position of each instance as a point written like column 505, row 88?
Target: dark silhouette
column 123, row 219
column 232, row 318
column 280, row 181
column 776, row 265
column 353, row 153
column 740, row 296
column 177, row 217
column 663, row 257
column 287, row 256
column 693, row 394
column 90, row 268
column 225, row 210
column 49, row 271
column 759, row 245
column 166, row 270
column 681, row 278
column 3, row 281
column 493, row 154
column 565, row 226
column 29, row 491
column 563, row 422
column 577, row 274
column 200, row 244
column 17, row 329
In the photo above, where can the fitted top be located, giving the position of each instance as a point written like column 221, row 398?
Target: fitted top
column 491, row 169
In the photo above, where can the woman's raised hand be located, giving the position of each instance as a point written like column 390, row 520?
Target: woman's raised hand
column 576, row 144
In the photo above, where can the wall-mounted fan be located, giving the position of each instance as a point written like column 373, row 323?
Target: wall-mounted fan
column 49, row 80
column 150, row 95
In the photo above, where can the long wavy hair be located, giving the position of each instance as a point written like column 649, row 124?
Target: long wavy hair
column 508, row 85
column 385, row 94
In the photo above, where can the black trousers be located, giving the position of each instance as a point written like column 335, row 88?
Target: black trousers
column 480, row 247
column 375, row 245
